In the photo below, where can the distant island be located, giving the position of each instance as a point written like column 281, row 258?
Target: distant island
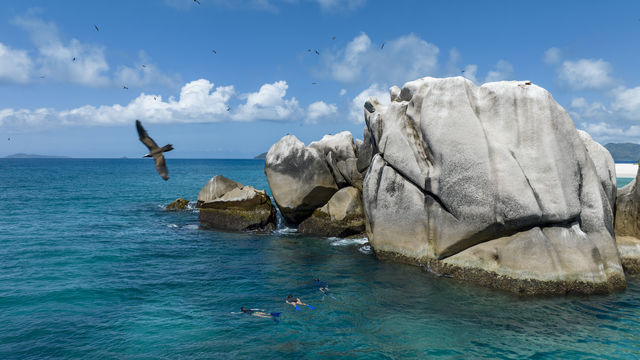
column 261, row 156
column 35, row 156
column 624, row 152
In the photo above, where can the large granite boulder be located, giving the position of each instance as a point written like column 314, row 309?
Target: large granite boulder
column 340, row 153
column 342, row 216
column 491, row 184
column 627, row 225
column 605, row 166
column 299, row 178
column 228, row 205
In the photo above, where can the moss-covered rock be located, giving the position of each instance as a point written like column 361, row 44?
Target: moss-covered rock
column 178, row 204
column 342, row 216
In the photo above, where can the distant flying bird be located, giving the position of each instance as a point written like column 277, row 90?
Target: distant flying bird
column 382, row 47
column 144, row 66
column 213, row 51
column 96, row 26
column 154, row 150
column 9, row 139
column 74, row 59
column 308, row 50
column 196, row 1
column 125, row 87
column 314, row 83
column 41, row 76
column 333, row 38
column 317, row 53
column 228, row 107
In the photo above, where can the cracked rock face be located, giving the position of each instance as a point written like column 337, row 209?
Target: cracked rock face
column 627, row 225
column 491, row 184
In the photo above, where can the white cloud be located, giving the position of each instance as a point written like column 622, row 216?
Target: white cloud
column 502, row 71
column 604, row 132
column 626, row 102
column 402, row 59
column 319, row 110
column 356, row 108
column 586, row 74
column 83, row 64
column 582, row 109
column 470, row 72
column 343, row 91
column 552, row 55
column 199, row 101
column 15, row 65
column 268, row 104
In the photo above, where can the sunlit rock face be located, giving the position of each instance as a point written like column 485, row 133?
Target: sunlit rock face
column 489, row 183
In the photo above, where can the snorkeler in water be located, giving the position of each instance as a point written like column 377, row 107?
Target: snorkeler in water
column 258, row 313
column 322, row 286
column 294, row 301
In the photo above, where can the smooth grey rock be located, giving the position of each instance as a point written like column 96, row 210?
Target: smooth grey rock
column 605, row 166
column 228, row 205
column 342, row 216
column 462, row 171
column 340, row 152
column 627, row 225
column 299, row 178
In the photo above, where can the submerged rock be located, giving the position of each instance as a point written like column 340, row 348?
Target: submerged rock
column 627, row 225
column 228, row 205
column 342, row 216
column 178, row 204
column 492, row 184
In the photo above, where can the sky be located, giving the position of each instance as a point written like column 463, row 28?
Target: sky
column 229, row 78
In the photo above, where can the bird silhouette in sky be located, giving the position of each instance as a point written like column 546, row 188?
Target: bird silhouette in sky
column 124, row 87
column 228, row 107
column 314, row 83
column 213, row 51
column 333, row 38
column 74, row 59
column 317, row 52
column 154, row 150
column 144, row 66
column 382, row 47
column 96, row 26
column 196, row 1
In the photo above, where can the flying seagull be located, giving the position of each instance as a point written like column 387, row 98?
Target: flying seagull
column 317, row 53
column 125, row 87
column 96, row 26
column 382, row 47
column 74, row 59
column 196, row 1
column 333, row 38
column 144, row 66
column 314, row 83
column 228, row 107
column 154, row 151
column 213, row 51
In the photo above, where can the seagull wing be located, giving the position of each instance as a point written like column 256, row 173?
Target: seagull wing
column 161, row 166
column 148, row 141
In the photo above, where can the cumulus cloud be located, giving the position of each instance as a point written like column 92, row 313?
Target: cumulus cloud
column 582, row 109
column 15, row 65
column 402, row 59
column 607, row 132
column 356, row 108
column 75, row 62
column 626, row 102
column 470, row 72
column 586, row 74
column 453, row 67
column 343, row 91
column 503, row 71
column 552, row 55
column 268, row 104
column 340, row 4
column 319, row 110
column 199, row 101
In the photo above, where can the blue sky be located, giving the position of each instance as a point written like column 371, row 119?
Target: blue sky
column 259, row 85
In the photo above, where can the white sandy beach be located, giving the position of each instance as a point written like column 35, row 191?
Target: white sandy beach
column 626, row 170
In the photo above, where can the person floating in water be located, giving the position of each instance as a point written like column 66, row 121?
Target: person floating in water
column 262, row 314
column 322, row 286
column 294, row 301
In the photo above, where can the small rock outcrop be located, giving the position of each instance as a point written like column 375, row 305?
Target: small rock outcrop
column 228, row 205
column 342, row 216
column 178, row 204
column 627, row 225
column 491, row 184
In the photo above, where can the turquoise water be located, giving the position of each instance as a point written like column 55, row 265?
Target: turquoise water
column 92, row 267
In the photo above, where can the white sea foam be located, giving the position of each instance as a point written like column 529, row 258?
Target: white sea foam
column 346, row 242
column 173, row 226
column 191, row 227
column 365, row 249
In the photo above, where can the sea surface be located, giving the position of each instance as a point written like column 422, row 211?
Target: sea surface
column 91, row 266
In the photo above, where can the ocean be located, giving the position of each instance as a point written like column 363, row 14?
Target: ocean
column 91, row 266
